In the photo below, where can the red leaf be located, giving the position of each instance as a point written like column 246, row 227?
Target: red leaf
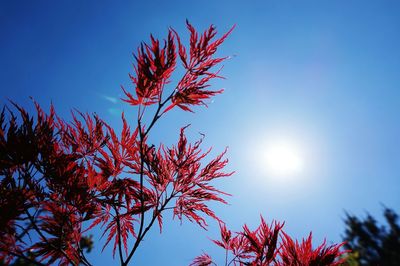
column 202, row 260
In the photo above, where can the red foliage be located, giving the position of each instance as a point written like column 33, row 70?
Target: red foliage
column 261, row 247
column 58, row 176
column 294, row 253
column 61, row 179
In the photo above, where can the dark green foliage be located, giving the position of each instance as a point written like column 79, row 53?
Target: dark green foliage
column 86, row 243
column 374, row 244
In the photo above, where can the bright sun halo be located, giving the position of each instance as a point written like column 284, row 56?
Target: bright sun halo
column 282, row 158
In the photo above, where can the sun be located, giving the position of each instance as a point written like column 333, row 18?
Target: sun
column 282, row 158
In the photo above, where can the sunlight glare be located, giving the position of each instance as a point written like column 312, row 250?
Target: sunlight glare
column 282, row 158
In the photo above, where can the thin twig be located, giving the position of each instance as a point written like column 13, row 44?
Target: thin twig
column 45, row 239
column 121, row 258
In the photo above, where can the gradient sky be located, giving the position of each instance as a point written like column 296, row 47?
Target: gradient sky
column 324, row 74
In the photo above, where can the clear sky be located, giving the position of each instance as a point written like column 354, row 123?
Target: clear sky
column 321, row 74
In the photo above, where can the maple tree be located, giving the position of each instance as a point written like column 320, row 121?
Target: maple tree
column 61, row 179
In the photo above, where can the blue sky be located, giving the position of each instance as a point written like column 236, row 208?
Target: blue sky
column 321, row 73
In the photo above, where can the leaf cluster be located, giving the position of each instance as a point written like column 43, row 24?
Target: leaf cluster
column 61, row 179
column 270, row 245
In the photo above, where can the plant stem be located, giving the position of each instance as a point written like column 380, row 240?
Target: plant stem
column 45, row 239
column 119, row 236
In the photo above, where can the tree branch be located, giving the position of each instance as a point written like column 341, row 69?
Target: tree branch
column 45, row 239
column 22, row 256
column 121, row 258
